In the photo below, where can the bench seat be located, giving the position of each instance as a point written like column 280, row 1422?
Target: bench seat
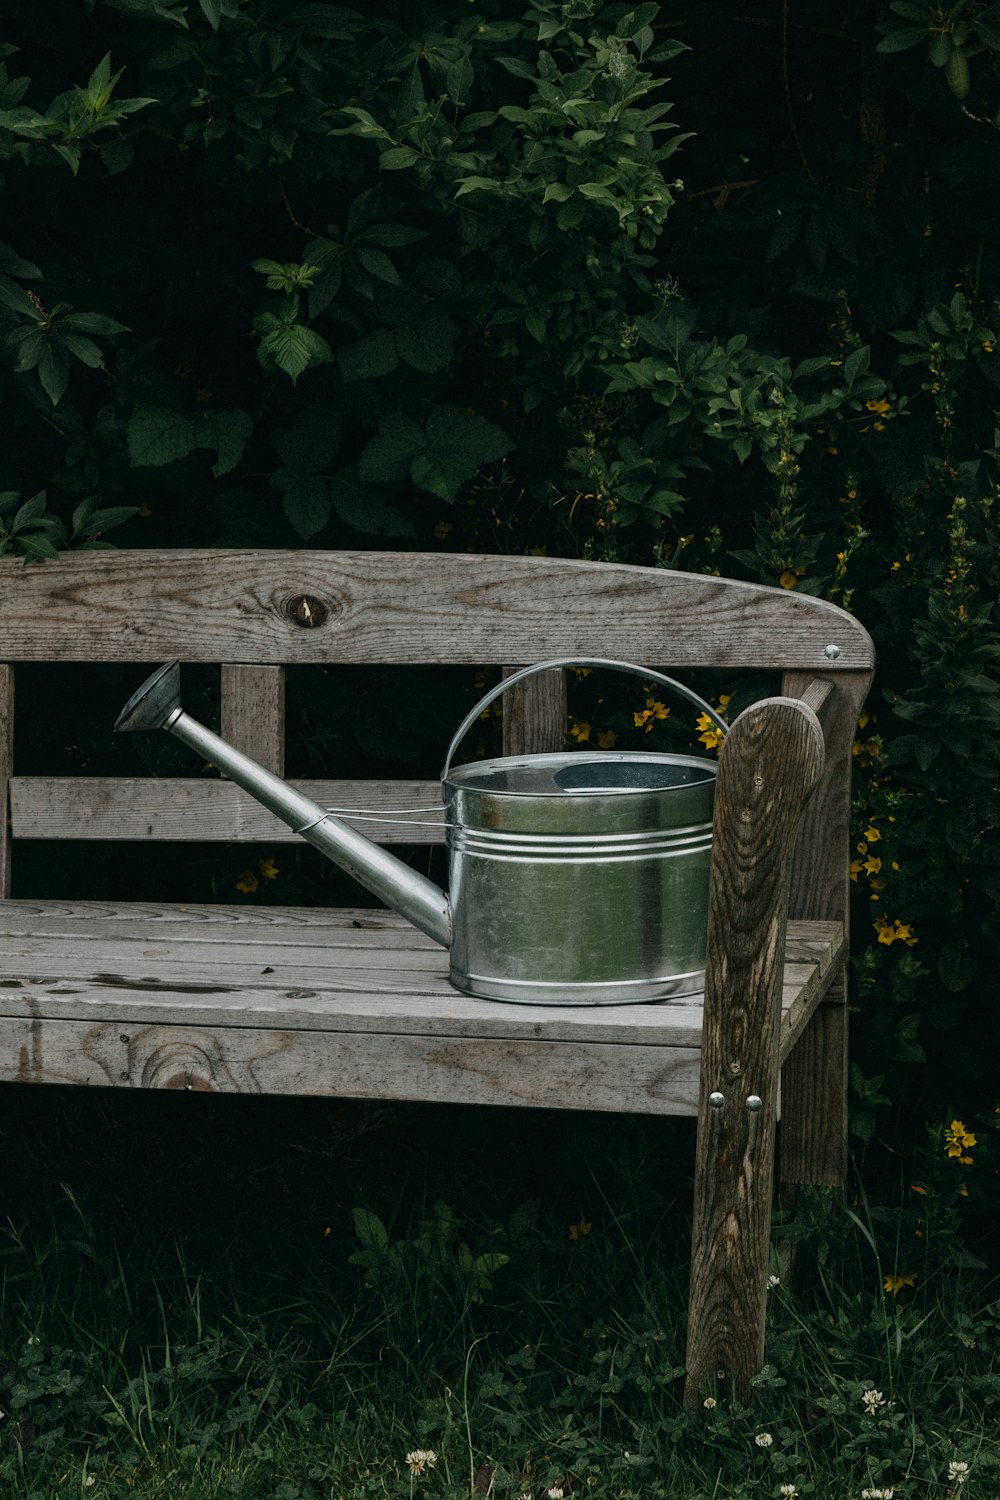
column 350, row 1002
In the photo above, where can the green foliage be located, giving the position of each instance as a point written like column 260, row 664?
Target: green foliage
column 213, row 1331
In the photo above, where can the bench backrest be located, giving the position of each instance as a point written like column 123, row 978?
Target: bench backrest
column 256, row 612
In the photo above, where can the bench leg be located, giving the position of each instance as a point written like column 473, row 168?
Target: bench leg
column 769, row 764
column 730, row 1240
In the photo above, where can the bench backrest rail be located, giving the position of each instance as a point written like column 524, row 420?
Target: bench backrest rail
column 255, row 612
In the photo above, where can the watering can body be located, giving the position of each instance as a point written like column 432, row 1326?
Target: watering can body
column 575, row 879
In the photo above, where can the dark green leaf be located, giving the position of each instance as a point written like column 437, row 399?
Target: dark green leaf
column 227, row 430
column 305, row 499
column 458, row 443
column 157, row 435
column 390, row 453
column 313, row 440
column 370, row 357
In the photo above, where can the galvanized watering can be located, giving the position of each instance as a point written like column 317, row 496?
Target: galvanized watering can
column 576, row 879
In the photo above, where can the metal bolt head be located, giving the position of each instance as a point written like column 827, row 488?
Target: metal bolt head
column 716, row 1100
column 831, row 652
column 755, row 1103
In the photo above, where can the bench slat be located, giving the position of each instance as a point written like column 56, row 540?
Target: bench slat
column 284, row 607
column 186, row 809
column 325, row 974
column 533, row 1074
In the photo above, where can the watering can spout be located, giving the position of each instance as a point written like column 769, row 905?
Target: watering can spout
column 157, row 705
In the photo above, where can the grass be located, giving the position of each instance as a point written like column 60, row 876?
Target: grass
column 275, row 1299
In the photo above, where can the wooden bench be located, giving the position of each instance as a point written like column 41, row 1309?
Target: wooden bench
column 356, row 1003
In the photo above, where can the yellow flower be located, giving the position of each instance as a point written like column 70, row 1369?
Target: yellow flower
column 872, row 864
column 647, row 717
column 894, row 1284
column 882, row 406
column 710, row 735
column 872, row 835
column 577, row 1230
column 788, row 580
column 957, row 1140
column 890, row 932
column 607, row 739
column 268, row 868
column 579, row 732
column 247, row 883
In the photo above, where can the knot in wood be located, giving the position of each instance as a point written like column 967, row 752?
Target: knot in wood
column 308, row 612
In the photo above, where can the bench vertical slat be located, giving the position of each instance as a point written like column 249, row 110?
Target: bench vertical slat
column 770, row 763
column 534, row 714
column 814, row 1078
column 6, row 770
column 253, row 713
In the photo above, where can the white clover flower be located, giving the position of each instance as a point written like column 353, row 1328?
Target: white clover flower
column 764, row 1439
column 710, row 1403
column 958, row 1472
column 772, row 1282
column 555, row 1493
column 872, row 1401
column 88, row 1481
column 788, row 1492
column 886, row 1494
column 421, row 1459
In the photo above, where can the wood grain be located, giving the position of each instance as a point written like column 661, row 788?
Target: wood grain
column 772, row 759
column 534, row 714
column 253, row 713
column 306, row 968
column 535, row 1074
column 6, row 770
column 283, row 607
column 189, row 809
column 813, row 1146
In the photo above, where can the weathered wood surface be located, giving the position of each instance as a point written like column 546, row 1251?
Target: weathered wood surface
column 772, row 759
column 198, row 810
column 253, row 714
column 814, row 1097
column 6, row 768
column 813, row 1147
column 282, row 607
column 302, row 969
column 537, row 1074
column 534, row 714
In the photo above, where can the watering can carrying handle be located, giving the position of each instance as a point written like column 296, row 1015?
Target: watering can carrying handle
column 646, row 673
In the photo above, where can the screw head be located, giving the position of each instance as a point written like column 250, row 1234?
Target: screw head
column 755, row 1103
column 831, row 652
column 716, row 1100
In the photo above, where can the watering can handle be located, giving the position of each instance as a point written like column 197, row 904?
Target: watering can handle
column 576, row 661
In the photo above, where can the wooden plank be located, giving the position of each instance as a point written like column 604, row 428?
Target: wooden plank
column 6, row 771
column 533, row 1074
column 188, row 809
column 814, row 1099
column 267, row 968
column 363, row 1002
column 770, row 762
column 814, row 1080
column 534, row 714
column 253, row 713
column 307, row 606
